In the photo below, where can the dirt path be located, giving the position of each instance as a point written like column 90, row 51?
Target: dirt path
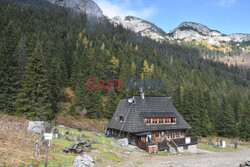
column 210, row 159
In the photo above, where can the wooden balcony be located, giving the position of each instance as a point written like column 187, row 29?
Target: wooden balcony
column 183, row 141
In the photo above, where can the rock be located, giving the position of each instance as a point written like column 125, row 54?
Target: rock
column 78, row 147
column 89, row 7
column 36, row 127
column 187, row 31
column 123, row 142
column 61, row 126
column 84, row 161
column 138, row 25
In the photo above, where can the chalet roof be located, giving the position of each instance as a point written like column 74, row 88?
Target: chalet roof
column 150, row 107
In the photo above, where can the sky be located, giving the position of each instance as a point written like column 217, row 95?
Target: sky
column 227, row 16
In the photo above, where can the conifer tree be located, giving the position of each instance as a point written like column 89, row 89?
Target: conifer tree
column 244, row 125
column 8, row 69
column 226, row 124
column 34, row 99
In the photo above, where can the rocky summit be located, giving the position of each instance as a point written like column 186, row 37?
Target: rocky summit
column 138, row 25
column 86, row 6
column 186, row 31
column 189, row 31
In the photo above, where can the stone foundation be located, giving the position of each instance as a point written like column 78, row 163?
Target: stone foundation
column 188, row 149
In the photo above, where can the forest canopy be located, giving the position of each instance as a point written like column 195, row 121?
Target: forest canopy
column 45, row 48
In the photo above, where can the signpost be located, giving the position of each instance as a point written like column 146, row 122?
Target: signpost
column 47, row 137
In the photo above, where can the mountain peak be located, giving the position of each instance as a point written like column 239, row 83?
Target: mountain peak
column 140, row 26
column 88, row 7
column 195, row 27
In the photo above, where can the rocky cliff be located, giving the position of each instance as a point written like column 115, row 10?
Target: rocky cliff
column 186, row 31
column 86, row 6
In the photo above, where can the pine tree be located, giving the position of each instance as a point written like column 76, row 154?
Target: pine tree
column 226, row 125
column 95, row 104
column 8, row 69
column 244, row 125
column 22, row 53
column 34, row 99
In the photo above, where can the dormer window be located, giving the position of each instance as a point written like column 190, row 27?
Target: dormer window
column 121, row 119
column 173, row 120
column 148, row 120
column 157, row 121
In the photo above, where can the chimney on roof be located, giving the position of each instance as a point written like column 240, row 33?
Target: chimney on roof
column 142, row 94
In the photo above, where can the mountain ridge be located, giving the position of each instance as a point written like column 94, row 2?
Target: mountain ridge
column 186, row 31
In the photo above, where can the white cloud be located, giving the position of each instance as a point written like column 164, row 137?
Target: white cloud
column 225, row 3
column 123, row 8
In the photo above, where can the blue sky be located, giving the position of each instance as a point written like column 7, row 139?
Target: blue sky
column 227, row 16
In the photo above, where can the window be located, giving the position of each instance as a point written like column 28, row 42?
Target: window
column 121, row 119
column 162, row 133
column 173, row 120
column 177, row 134
column 172, row 135
column 167, row 120
column 148, row 120
column 168, row 136
column 160, row 120
column 154, row 120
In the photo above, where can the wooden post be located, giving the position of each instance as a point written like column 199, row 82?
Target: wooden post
column 41, row 144
column 236, row 144
column 47, row 152
column 36, row 146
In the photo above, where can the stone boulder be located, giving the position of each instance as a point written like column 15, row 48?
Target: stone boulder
column 123, row 142
column 84, row 161
column 36, row 127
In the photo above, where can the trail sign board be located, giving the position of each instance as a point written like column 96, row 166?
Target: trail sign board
column 48, row 136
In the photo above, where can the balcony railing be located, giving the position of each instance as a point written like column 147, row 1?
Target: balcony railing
column 184, row 141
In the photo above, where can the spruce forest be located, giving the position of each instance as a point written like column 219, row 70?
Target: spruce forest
column 46, row 48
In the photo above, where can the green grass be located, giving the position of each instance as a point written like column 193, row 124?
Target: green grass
column 61, row 143
column 112, row 156
column 211, row 148
column 103, row 144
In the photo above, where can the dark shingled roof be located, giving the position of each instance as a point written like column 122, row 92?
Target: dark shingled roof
column 135, row 113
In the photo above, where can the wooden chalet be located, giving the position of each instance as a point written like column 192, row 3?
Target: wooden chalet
column 151, row 123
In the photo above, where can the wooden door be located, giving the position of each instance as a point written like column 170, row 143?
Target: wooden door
column 157, row 137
